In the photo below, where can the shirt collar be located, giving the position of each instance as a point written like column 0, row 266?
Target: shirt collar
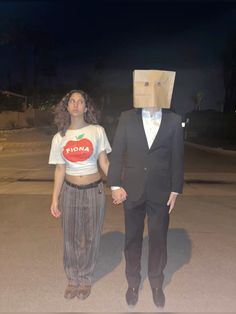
column 146, row 114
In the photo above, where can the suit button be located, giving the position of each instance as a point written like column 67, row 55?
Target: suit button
column 145, row 169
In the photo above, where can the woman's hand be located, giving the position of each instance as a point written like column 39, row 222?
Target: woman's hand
column 119, row 195
column 55, row 210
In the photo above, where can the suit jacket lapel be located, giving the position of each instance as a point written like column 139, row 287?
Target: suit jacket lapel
column 140, row 130
column 160, row 132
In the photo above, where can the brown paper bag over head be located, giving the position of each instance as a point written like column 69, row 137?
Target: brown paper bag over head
column 153, row 88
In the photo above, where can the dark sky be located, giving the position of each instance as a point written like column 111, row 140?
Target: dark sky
column 127, row 34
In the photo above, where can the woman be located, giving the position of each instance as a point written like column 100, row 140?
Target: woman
column 78, row 194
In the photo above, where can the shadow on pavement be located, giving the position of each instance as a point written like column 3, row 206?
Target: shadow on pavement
column 111, row 254
column 179, row 252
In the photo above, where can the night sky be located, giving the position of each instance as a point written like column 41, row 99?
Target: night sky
column 122, row 35
column 120, row 31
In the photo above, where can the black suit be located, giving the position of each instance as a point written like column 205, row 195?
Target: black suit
column 148, row 176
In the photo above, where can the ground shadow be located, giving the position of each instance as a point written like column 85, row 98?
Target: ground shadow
column 111, row 254
column 179, row 250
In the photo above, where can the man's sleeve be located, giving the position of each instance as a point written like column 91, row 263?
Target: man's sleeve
column 177, row 160
column 117, row 155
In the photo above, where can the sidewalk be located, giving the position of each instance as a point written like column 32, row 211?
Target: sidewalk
column 25, row 140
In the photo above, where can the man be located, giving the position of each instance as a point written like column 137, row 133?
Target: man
column 146, row 173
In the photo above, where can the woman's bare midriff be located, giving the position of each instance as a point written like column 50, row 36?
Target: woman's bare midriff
column 90, row 178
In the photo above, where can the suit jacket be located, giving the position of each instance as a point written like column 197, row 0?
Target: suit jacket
column 136, row 168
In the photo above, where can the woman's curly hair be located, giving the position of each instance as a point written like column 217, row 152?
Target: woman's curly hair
column 62, row 116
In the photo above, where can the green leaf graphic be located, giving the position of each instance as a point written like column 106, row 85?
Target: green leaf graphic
column 79, row 136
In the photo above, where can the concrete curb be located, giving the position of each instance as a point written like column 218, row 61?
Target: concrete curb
column 14, row 131
column 209, row 149
column 24, row 146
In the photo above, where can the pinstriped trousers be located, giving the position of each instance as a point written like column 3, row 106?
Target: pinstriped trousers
column 82, row 219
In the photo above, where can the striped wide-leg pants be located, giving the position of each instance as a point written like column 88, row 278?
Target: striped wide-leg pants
column 82, row 219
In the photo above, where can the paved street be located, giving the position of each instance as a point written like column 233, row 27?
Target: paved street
column 200, row 275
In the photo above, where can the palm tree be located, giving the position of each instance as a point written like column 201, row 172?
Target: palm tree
column 17, row 37
column 43, row 46
column 229, row 72
column 197, row 98
column 30, row 43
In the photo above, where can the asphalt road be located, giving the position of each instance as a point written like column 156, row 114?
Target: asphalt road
column 200, row 275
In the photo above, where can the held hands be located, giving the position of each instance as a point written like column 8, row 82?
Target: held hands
column 119, row 196
column 54, row 210
column 171, row 201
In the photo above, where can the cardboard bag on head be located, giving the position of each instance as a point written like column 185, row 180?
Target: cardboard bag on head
column 153, row 88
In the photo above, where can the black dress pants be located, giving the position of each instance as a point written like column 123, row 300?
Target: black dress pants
column 158, row 222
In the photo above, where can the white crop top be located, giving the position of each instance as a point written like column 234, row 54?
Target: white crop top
column 79, row 149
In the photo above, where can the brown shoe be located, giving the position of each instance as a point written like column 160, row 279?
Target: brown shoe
column 70, row 292
column 83, row 291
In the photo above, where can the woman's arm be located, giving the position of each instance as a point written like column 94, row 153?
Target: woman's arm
column 103, row 162
column 58, row 181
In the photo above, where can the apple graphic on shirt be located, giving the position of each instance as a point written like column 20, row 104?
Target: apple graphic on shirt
column 79, row 150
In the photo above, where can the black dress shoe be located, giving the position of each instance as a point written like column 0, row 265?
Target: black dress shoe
column 158, row 297
column 132, row 296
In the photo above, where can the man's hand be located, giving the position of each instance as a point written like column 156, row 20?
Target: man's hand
column 119, row 195
column 171, row 201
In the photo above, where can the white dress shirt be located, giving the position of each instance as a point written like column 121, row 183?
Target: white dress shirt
column 151, row 124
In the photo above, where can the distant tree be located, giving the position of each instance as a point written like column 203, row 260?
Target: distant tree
column 34, row 49
column 229, row 71
column 48, row 70
column 16, row 36
column 100, row 68
column 10, row 103
column 197, row 98
column 43, row 46
column 92, row 84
